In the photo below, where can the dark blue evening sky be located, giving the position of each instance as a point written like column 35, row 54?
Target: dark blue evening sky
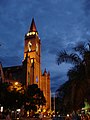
column 60, row 24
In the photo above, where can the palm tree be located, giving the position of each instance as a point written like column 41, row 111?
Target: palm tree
column 75, row 91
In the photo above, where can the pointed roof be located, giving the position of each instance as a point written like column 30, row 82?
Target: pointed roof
column 1, row 72
column 33, row 26
column 45, row 72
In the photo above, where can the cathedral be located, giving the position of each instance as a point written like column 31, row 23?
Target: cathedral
column 29, row 72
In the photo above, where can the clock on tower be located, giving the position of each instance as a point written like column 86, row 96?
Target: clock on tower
column 29, row 46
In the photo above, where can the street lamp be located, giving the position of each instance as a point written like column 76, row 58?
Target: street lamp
column 54, row 102
column 16, row 83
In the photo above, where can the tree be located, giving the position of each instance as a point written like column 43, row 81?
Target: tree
column 13, row 96
column 75, row 91
column 34, row 97
column 3, row 93
column 10, row 99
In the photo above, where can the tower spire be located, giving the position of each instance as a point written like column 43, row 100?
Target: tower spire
column 33, row 26
column 32, row 30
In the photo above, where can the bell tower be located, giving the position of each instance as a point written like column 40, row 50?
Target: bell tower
column 32, row 52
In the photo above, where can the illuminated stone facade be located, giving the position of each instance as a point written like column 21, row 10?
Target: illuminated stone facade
column 32, row 52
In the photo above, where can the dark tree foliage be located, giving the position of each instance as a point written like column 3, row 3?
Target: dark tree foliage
column 10, row 99
column 34, row 97
column 13, row 99
column 73, row 93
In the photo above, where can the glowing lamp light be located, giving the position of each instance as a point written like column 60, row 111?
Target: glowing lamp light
column 16, row 83
column 18, row 110
column 67, row 115
column 27, row 34
column 30, row 33
column 44, row 110
column 1, row 109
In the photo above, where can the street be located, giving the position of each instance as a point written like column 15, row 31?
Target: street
column 35, row 118
column 44, row 118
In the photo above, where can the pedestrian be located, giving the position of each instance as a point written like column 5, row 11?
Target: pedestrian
column 68, row 117
column 41, row 116
column 8, row 116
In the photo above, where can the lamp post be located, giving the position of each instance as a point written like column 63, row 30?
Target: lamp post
column 54, row 102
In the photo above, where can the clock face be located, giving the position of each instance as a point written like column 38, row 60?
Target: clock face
column 36, row 47
column 29, row 46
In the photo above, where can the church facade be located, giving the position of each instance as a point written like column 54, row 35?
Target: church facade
column 30, row 71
